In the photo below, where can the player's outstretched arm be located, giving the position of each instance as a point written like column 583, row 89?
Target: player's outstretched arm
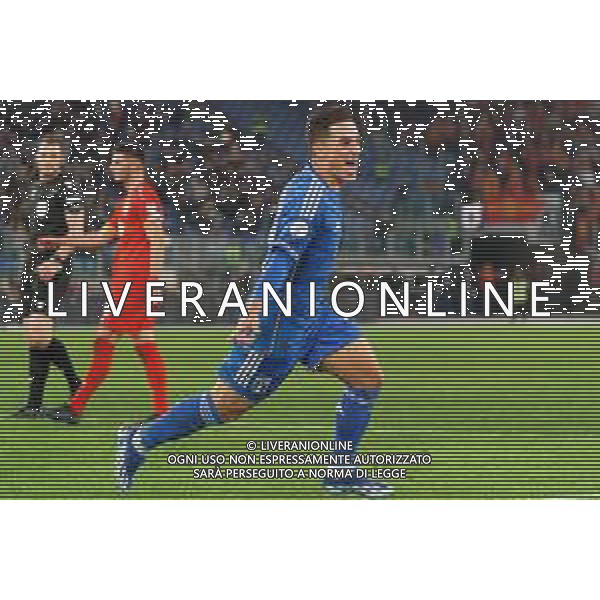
column 288, row 239
column 277, row 269
column 75, row 228
column 82, row 240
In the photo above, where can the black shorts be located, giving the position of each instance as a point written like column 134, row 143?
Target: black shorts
column 35, row 291
column 503, row 252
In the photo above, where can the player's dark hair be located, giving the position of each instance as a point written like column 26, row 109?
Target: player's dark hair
column 322, row 117
column 128, row 150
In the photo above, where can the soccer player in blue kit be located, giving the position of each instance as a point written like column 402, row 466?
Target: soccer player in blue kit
column 303, row 245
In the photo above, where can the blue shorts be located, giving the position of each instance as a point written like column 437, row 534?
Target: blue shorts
column 256, row 370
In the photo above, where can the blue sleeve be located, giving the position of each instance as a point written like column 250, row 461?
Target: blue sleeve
column 277, row 268
column 290, row 235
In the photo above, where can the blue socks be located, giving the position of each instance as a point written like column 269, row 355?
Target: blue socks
column 194, row 413
column 353, row 415
column 181, row 420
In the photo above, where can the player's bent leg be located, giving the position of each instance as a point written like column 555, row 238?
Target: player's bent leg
column 102, row 354
column 246, row 377
column 219, row 405
column 61, row 359
column 39, row 327
column 230, row 404
column 38, row 334
column 357, row 366
column 146, row 348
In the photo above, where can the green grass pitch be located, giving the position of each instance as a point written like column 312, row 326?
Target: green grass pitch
column 505, row 410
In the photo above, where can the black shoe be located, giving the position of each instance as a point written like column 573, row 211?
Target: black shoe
column 63, row 414
column 28, row 413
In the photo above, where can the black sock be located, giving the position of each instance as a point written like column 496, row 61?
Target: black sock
column 59, row 355
column 39, row 366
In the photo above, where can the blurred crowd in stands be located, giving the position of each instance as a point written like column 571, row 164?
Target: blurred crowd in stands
column 434, row 177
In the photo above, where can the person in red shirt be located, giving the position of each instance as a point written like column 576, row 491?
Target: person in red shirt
column 511, row 200
column 137, row 226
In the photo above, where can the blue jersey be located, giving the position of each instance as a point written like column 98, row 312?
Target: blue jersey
column 303, row 246
column 304, row 243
